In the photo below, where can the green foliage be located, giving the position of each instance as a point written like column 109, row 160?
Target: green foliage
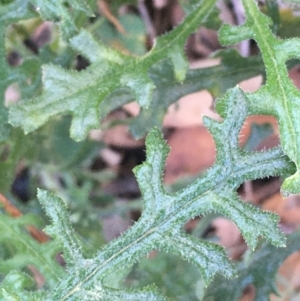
column 215, row 79
column 80, row 94
column 17, row 286
column 12, row 12
column 23, row 250
column 133, row 41
column 163, row 215
column 57, row 10
column 252, row 270
column 282, row 102
column 156, row 270
column 155, row 80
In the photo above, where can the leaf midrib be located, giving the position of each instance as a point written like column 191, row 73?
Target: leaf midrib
column 262, row 33
column 233, row 173
column 150, row 59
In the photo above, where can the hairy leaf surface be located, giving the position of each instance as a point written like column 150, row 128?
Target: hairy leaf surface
column 81, row 93
column 164, row 214
column 155, row 80
column 279, row 96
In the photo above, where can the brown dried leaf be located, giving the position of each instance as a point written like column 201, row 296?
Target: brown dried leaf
column 192, row 151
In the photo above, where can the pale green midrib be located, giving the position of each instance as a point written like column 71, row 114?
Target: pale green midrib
column 223, row 181
column 32, row 250
column 146, row 61
column 261, row 39
column 95, row 271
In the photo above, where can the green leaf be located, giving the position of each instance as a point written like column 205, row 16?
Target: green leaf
column 61, row 228
column 81, row 93
column 155, row 80
column 56, row 10
column 273, row 12
column 78, row 266
column 175, row 276
column 14, row 288
column 25, row 250
column 259, row 269
column 279, row 96
column 149, row 293
column 217, row 79
column 15, row 11
column 58, row 149
column 164, row 214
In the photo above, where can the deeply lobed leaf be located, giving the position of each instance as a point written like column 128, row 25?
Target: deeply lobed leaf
column 164, row 214
column 81, row 93
column 279, row 96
